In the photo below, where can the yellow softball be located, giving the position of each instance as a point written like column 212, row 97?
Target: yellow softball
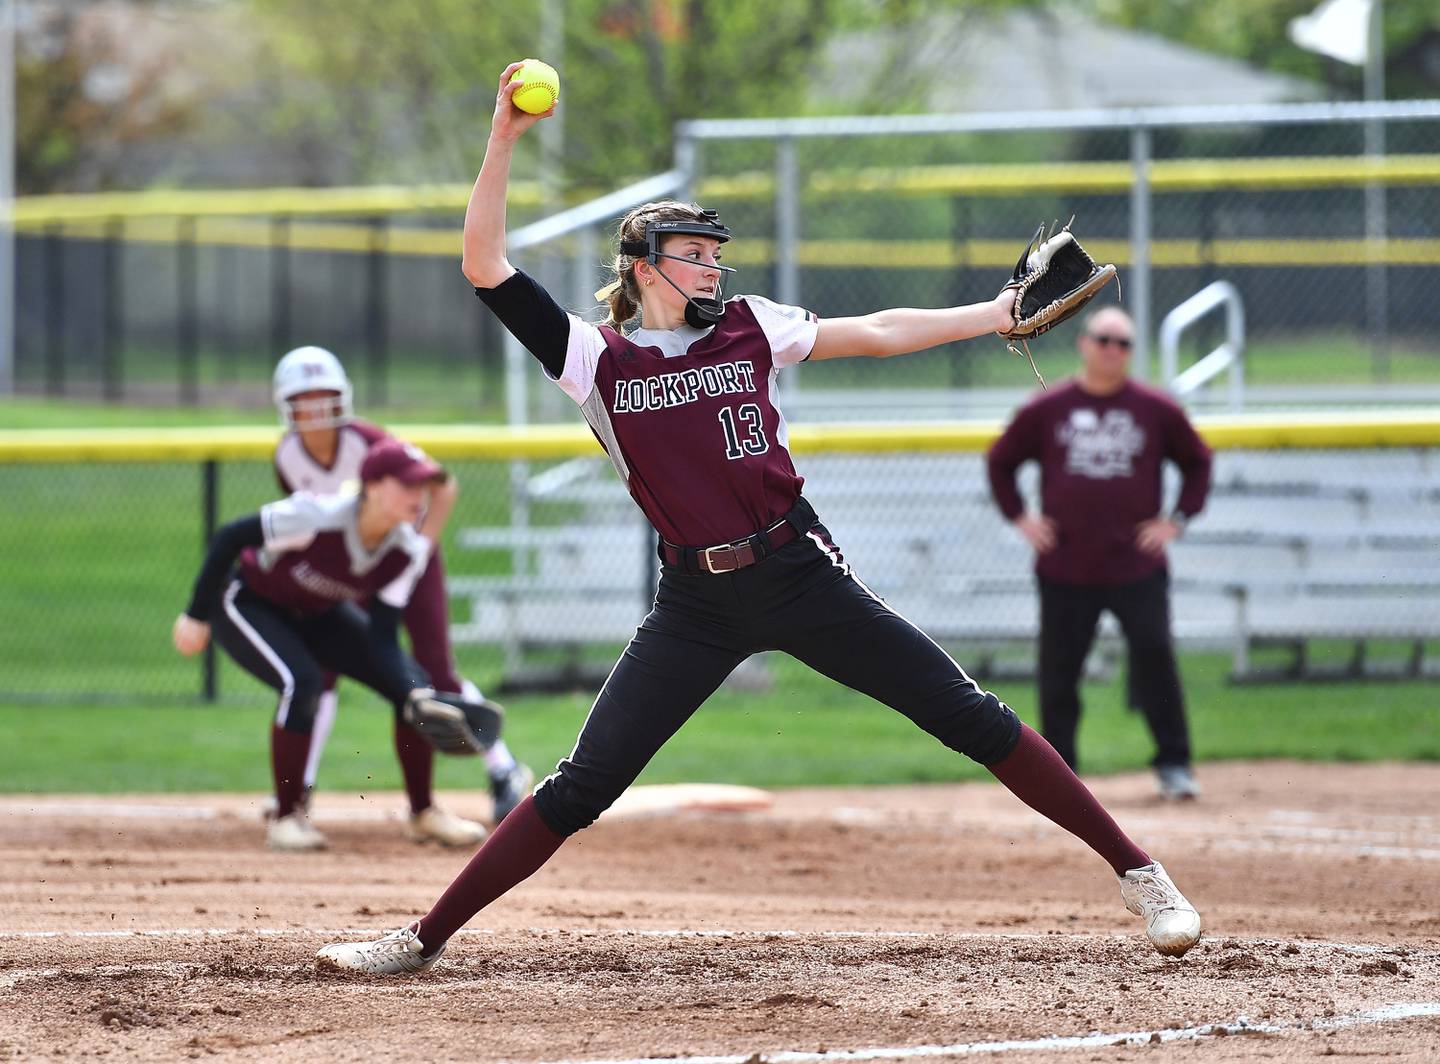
column 539, row 87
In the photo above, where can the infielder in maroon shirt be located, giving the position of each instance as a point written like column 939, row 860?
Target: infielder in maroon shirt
column 291, row 613
column 1102, row 440
column 321, row 453
column 684, row 405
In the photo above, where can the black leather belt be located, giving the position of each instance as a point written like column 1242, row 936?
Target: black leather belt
column 741, row 553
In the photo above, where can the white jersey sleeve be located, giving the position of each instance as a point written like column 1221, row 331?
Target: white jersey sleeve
column 582, row 357
column 398, row 591
column 790, row 330
column 292, row 523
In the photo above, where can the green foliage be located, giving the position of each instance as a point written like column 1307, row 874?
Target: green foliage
column 407, row 89
column 82, row 97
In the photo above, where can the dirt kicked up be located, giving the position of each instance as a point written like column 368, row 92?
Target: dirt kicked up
column 905, row 923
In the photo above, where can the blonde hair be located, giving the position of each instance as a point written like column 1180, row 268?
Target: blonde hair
column 622, row 295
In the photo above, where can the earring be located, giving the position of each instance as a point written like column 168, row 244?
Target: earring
column 649, row 283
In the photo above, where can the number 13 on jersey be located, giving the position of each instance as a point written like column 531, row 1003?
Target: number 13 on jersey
column 744, row 431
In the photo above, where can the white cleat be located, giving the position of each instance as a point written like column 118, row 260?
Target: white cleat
column 398, row 953
column 294, row 834
column 1171, row 923
column 270, row 806
column 1177, row 783
column 433, row 824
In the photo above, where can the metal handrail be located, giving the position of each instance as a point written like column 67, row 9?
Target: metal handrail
column 1090, row 118
column 1229, row 356
column 600, row 209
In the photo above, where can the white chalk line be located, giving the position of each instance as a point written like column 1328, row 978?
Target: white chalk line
column 1386, row 1014
column 1240, row 1025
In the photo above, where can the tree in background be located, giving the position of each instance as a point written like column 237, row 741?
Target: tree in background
column 326, row 92
column 1256, row 31
column 92, row 83
column 406, row 89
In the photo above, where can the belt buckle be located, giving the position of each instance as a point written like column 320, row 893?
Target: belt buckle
column 709, row 565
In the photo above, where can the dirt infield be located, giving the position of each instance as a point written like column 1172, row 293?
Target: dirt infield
column 936, row 922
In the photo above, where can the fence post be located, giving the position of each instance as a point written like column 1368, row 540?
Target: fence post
column 9, row 20
column 54, row 311
column 209, row 506
column 376, row 317
column 1139, row 280
column 187, row 325
column 1377, row 274
column 687, row 161
column 787, row 234
column 279, row 286
column 113, row 371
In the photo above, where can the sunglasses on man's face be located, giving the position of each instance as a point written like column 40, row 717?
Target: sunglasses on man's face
column 1124, row 343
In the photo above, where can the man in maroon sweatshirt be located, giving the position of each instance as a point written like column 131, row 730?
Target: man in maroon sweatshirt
column 1101, row 440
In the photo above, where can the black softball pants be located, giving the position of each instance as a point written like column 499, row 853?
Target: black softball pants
column 802, row 600
column 293, row 654
column 1068, row 619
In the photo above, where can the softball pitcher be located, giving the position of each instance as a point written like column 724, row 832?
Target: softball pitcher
column 684, row 405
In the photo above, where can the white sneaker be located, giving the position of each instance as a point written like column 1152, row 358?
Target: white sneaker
column 398, row 953
column 294, row 833
column 1171, row 922
column 1176, row 783
column 435, row 824
column 271, row 806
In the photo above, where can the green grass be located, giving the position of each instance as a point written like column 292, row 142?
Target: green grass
column 95, row 562
column 1331, row 359
column 804, row 731
column 424, row 388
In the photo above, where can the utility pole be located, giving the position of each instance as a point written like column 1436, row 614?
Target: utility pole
column 1377, row 287
column 9, row 27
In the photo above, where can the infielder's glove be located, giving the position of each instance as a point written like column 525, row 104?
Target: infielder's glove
column 1053, row 281
column 451, row 724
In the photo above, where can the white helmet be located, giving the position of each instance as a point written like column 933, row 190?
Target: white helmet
column 312, row 369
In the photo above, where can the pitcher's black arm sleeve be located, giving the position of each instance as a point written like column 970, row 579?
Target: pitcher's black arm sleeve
column 533, row 317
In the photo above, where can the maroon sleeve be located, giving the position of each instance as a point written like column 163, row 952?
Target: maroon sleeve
column 368, row 432
column 1188, row 451
column 1020, row 442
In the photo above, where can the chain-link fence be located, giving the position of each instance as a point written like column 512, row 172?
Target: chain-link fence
column 550, row 571
column 1323, row 216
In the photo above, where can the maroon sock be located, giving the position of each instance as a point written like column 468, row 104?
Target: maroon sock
column 513, row 852
column 1039, row 777
column 288, row 752
column 417, row 765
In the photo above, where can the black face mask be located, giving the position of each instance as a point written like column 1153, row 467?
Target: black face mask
column 700, row 312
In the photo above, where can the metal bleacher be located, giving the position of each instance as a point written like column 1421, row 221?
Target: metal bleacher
column 1302, row 551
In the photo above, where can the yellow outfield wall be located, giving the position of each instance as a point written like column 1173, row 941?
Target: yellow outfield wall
column 1309, row 431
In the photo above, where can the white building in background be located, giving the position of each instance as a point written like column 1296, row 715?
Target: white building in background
column 1033, row 59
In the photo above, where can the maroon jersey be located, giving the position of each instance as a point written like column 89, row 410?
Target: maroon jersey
column 1101, row 460
column 297, row 469
column 313, row 560
column 689, row 419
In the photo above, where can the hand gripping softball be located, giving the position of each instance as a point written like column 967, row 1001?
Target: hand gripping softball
column 451, row 724
column 1053, row 280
